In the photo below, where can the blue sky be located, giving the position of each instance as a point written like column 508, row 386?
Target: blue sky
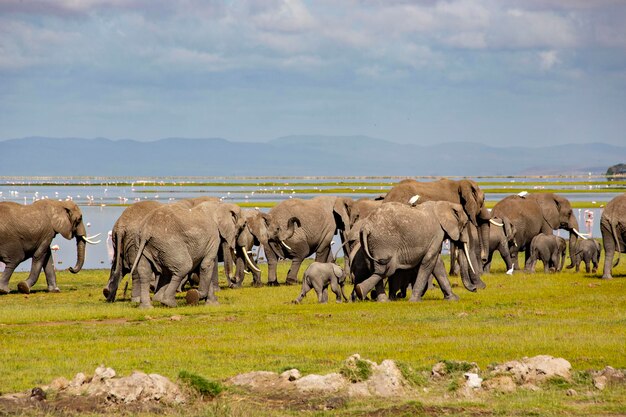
column 499, row 72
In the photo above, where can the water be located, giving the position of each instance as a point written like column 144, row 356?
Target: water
column 101, row 199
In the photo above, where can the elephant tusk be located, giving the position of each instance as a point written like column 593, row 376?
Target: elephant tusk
column 578, row 234
column 285, row 245
column 94, row 236
column 88, row 240
column 515, row 243
column 248, row 260
column 495, row 223
column 469, row 261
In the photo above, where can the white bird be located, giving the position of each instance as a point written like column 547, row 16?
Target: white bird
column 523, row 194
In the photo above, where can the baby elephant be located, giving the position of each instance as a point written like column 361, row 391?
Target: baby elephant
column 317, row 276
column 587, row 251
column 543, row 247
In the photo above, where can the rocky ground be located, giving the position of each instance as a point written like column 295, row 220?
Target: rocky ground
column 105, row 392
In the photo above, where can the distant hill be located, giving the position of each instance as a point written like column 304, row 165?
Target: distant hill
column 293, row 156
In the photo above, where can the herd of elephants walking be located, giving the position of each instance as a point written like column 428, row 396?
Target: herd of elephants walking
column 391, row 244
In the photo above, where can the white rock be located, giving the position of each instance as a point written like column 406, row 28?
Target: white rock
column 473, row 380
column 386, row 380
column 291, row 375
column 321, row 383
column 78, row 380
column 103, row 373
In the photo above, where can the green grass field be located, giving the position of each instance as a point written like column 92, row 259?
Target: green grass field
column 575, row 316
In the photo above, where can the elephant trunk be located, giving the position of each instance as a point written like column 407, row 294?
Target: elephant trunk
column 483, row 236
column 80, row 254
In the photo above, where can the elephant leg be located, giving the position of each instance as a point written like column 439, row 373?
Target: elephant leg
column 367, row 285
column 239, row 273
column 324, row 254
column 323, row 295
column 215, row 278
column 4, row 280
column 453, row 262
column 51, row 276
column 292, row 275
column 144, row 276
column 442, row 279
column 423, row 274
column 135, row 295
column 272, row 263
column 514, row 252
column 587, row 265
column 35, row 269
column 609, row 250
column 305, row 289
column 166, row 295
column 487, row 265
column 334, row 286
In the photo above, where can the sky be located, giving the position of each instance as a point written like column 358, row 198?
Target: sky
column 498, row 72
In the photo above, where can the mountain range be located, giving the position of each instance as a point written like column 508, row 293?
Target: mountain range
column 295, row 156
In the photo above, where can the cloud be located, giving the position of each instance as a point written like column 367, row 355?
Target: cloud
column 548, row 59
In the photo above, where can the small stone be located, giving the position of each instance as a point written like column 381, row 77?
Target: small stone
column 571, row 393
column 439, row 370
column 600, row 382
column 502, row 383
column 176, row 318
column 291, row 375
column 472, row 380
column 59, row 384
column 78, row 380
column 103, row 373
column 321, row 383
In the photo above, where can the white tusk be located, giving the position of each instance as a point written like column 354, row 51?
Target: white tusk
column 94, row 236
column 91, row 242
column 469, row 261
column 495, row 223
column 515, row 242
column 413, row 200
column 285, row 245
column 250, row 264
column 579, row 235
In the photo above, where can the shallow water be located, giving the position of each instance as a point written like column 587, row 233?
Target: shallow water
column 100, row 203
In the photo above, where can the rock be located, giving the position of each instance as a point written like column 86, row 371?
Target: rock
column 291, row 375
column 600, row 382
column 472, row 380
column 502, row 383
column 176, row 318
column 439, row 370
column 142, row 387
column 103, row 373
column 386, row 380
column 258, row 380
column 78, row 380
column 59, row 384
column 321, row 383
column 571, row 393
column 360, row 389
column 535, row 370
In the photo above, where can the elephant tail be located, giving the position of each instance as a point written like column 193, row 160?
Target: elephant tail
column 142, row 245
column 365, row 232
column 619, row 250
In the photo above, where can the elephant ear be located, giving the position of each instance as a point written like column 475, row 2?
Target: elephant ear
column 472, row 199
column 451, row 218
column 341, row 210
column 61, row 218
column 338, row 271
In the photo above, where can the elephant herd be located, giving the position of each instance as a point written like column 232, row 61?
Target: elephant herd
column 392, row 243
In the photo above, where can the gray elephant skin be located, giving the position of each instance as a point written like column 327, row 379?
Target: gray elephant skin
column 318, row 220
column 587, row 251
column 247, row 239
column 468, row 194
column 562, row 250
column 613, row 229
column 400, row 237
column 534, row 214
column 501, row 237
column 319, row 276
column 177, row 240
column 26, row 231
column 544, row 248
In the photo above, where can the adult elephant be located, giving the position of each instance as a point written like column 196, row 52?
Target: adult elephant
column 613, row 229
column 318, row 219
column 400, row 237
column 125, row 239
column 177, row 240
column 26, row 231
column 249, row 237
column 465, row 192
column 533, row 214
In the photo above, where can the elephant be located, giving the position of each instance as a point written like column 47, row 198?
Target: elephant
column 533, row 214
column 245, row 242
column 398, row 236
column 176, row 240
column 587, row 251
column 26, row 231
column 125, row 239
column 543, row 247
column 318, row 220
column 464, row 192
column 501, row 237
column 318, row 276
column 613, row 229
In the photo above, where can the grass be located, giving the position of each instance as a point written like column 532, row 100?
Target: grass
column 575, row 316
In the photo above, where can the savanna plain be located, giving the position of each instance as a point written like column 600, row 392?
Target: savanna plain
column 576, row 316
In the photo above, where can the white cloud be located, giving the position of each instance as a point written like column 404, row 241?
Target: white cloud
column 548, row 59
